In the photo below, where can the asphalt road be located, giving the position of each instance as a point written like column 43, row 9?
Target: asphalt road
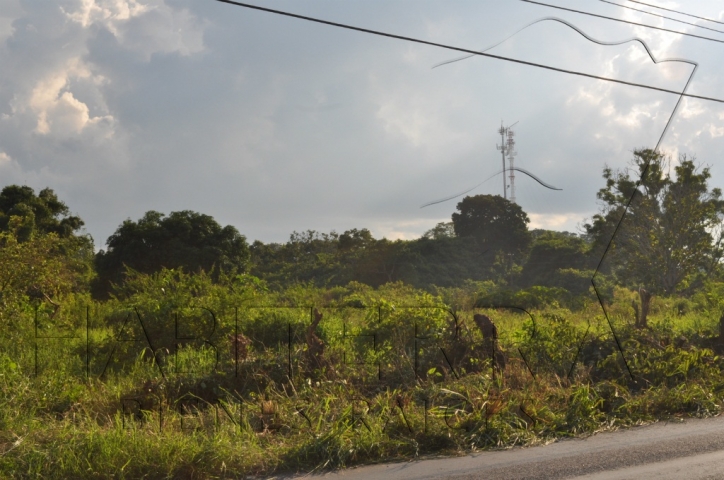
column 693, row 449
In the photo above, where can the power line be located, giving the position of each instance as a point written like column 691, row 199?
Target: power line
column 580, row 32
column 662, row 16
column 676, row 11
column 464, row 50
column 517, row 169
column 622, row 21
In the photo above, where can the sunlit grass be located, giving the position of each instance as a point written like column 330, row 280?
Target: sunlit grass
column 102, row 405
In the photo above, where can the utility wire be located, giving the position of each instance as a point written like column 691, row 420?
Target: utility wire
column 580, row 32
column 676, row 11
column 464, row 50
column 622, row 21
column 662, row 16
column 551, row 187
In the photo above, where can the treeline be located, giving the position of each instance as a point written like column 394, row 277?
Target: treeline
column 553, row 259
column 657, row 233
column 487, row 239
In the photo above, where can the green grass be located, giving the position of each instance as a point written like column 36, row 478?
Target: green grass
column 387, row 392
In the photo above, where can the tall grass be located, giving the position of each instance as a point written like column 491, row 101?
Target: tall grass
column 405, row 375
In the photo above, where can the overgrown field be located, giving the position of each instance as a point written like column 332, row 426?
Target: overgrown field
column 180, row 377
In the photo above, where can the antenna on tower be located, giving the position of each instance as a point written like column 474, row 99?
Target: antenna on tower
column 506, row 148
column 511, row 157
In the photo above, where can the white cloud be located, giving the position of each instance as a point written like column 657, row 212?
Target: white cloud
column 557, row 221
column 691, row 108
column 109, row 13
column 58, row 111
column 11, row 170
column 9, row 11
column 403, row 230
column 716, row 131
column 4, row 159
column 635, row 114
column 145, row 27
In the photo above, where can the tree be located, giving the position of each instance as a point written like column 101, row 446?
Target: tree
column 42, row 213
column 441, row 230
column 184, row 239
column 671, row 236
column 41, row 267
column 385, row 261
column 554, row 259
column 355, row 239
column 498, row 225
column 309, row 256
column 41, row 254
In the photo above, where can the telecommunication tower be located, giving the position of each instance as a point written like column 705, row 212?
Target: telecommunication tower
column 506, row 148
column 511, row 156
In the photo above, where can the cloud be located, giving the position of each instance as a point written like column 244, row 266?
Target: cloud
column 558, row 221
column 4, row 159
column 716, row 131
column 146, row 27
column 109, row 13
column 59, row 112
column 402, row 230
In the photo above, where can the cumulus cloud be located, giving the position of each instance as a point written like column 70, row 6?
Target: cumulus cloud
column 109, row 12
column 58, row 111
column 4, row 159
column 146, row 27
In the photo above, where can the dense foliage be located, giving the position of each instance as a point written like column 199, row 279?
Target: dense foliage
column 670, row 238
column 35, row 214
column 497, row 224
column 185, row 239
column 672, row 229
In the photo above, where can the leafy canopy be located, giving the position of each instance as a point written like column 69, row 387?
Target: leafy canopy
column 497, row 224
column 38, row 214
column 558, row 259
column 41, row 254
column 671, row 235
column 185, row 239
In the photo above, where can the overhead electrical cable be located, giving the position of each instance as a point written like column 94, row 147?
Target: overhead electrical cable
column 677, row 11
column 573, row 27
column 464, row 50
column 662, row 16
column 518, row 169
column 622, row 21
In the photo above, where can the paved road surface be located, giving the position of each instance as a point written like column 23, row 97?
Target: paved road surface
column 693, row 450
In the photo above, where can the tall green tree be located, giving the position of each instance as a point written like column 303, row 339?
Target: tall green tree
column 42, row 253
column 498, row 226
column 671, row 236
column 38, row 268
column 38, row 214
column 185, row 239
column 441, row 230
column 558, row 259
column 496, row 223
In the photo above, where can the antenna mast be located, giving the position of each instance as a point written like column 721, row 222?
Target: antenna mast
column 506, row 148
column 502, row 147
column 511, row 156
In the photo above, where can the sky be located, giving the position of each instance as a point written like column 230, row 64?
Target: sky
column 273, row 124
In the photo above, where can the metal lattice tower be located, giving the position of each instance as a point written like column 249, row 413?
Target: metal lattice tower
column 506, row 148
column 511, row 157
column 503, row 147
